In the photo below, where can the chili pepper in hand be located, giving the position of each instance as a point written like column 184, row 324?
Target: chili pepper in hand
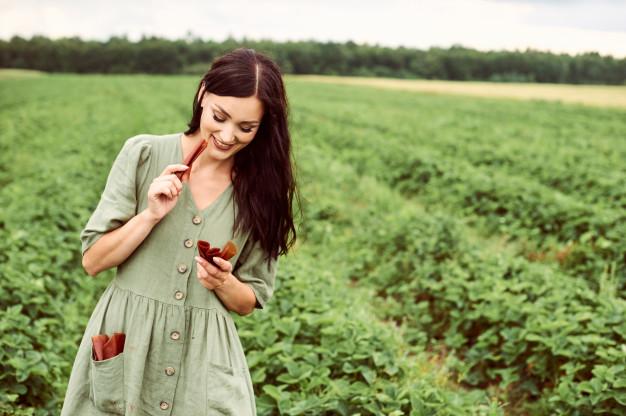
column 207, row 252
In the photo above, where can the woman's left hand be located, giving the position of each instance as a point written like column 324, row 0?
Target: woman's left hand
column 212, row 277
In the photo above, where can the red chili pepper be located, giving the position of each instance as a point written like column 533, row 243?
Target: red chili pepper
column 104, row 347
column 192, row 157
column 207, row 252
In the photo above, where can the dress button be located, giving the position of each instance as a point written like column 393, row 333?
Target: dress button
column 169, row 371
column 196, row 219
column 164, row 405
column 175, row 335
column 182, row 268
column 188, row 243
column 179, row 295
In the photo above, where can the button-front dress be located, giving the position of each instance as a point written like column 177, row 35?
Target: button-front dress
column 182, row 354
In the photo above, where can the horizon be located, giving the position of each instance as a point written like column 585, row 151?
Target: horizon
column 370, row 44
column 571, row 27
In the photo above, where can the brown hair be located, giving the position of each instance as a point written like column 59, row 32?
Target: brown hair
column 263, row 183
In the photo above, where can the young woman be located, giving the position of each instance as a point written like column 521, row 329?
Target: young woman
column 182, row 354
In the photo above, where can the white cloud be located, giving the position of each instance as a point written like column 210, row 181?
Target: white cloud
column 573, row 27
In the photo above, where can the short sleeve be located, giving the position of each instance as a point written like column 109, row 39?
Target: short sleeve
column 252, row 269
column 118, row 202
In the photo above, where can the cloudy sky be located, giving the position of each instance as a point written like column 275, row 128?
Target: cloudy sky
column 570, row 26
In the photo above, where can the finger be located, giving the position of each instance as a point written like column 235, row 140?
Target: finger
column 177, row 167
column 207, row 266
column 164, row 189
column 174, row 189
column 209, row 281
column 202, row 274
column 205, row 283
column 166, row 183
column 170, row 178
column 225, row 265
column 176, row 181
column 164, row 178
column 203, row 271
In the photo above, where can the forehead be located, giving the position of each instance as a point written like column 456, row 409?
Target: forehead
column 239, row 109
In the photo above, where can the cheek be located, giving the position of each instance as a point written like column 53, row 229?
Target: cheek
column 207, row 123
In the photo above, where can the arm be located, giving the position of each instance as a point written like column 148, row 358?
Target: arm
column 236, row 296
column 114, row 247
column 246, row 286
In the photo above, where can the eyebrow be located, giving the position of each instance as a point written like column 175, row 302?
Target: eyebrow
column 228, row 115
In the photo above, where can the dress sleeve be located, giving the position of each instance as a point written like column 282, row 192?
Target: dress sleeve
column 118, row 202
column 252, row 269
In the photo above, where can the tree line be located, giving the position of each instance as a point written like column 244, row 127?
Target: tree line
column 154, row 55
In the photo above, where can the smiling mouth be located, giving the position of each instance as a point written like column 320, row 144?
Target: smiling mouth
column 220, row 145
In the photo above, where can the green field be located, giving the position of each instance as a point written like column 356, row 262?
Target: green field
column 458, row 255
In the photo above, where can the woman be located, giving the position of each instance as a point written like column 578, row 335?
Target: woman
column 182, row 354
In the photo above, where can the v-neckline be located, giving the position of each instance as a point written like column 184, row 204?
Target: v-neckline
column 191, row 202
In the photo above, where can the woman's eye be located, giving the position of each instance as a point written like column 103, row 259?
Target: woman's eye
column 221, row 121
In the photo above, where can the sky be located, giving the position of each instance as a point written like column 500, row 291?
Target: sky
column 560, row 26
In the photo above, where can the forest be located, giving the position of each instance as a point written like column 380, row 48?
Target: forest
column 192, row 55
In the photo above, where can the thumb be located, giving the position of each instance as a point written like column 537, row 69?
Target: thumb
column 178, row 167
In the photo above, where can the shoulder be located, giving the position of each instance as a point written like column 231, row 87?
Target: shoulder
column 142, row 147
column 141, row 143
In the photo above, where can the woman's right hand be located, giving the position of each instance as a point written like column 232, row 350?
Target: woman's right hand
column 164, row 191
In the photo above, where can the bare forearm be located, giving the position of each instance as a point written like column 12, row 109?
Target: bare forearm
column 114, row 247
column 236, row 296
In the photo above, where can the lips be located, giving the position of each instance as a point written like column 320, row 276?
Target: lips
column 220, row 146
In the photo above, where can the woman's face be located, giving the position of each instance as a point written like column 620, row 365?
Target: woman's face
column 229, row 123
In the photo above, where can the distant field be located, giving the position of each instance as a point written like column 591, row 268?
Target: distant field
column 19, row 73
column 594, row 95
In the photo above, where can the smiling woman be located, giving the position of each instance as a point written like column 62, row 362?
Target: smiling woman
column 182, row 354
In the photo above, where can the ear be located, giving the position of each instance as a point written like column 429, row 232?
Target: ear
column 200, row 93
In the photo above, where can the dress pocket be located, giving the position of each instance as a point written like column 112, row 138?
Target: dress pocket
column 227, row 391
column 107, row 384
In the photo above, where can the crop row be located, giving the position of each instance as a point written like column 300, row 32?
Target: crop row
column 310, row 352
column 541, row 336
column 583, row 239
column 573, row 150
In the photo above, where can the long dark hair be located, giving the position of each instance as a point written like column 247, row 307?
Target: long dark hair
column 263, row 183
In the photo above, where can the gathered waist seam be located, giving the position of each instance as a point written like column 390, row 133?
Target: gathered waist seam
column 118, row 287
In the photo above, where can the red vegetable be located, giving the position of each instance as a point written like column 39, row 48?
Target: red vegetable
column 190, row 159
column 104, row 347
column 207, row 252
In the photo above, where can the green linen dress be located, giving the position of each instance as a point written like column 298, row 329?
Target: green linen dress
column 182, row 354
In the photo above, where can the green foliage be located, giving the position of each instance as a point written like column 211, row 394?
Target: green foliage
column 311, row 351
column 541, row 336
column 573, row 217
column 395, row 301
column 155, row 55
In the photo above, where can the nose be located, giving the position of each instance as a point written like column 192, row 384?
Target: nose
column 226, row 137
